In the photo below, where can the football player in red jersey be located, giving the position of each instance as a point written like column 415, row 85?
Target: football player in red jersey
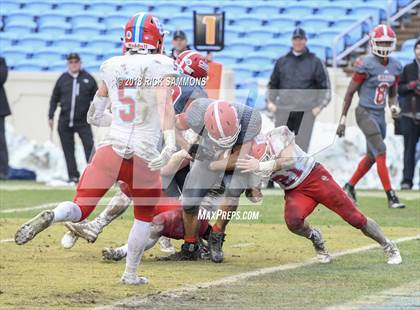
column 307, row 183
column 375, row 79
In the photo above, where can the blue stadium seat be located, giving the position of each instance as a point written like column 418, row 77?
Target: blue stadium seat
column 101, row 44
column 180, row 22
column 408, row 45
column 116, row 20
column 354, row 35
column 242, row 47
column 334, row 12
column 226, row 60
column 384, row 5
column 242, row 74
column 88, row 56
column 103, row 7
column 260, row 61
column 232, row 9
column 88, row 29
column 19, row 30
column 70, row 8
column 116, row 32
column 92, row 66
column 113, row 53
column 19, row 18
column 319, row 50
column 247, row 22
column 200, row 8
column 49, row 54
column 314, row 22
column 363, row 10
column 70, row 44
column 265, row 10
column 29, row 43
column 52, row 19
column 270, row 55
column 326, row 38
column 5, row 43
column 280, row 23
column 403, row 3
column 59, row 66
column 257, row 37
column 13, row 56
column 231, row 35
column 279, row 48
column 9, row 6
column 299, row 10
column 28, row 66
column 264, row 74
column 133, row 7
column 37, row 8
column 404, row 57
column 56, row 30
column 83, row 19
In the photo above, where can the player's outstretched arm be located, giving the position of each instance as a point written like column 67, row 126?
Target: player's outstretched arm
column 167, row 122
column 97, row 114
column 229, row 162
column 351, row 90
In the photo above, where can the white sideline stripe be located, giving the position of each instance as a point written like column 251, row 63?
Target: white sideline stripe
column 135, row 301
column 43, row 206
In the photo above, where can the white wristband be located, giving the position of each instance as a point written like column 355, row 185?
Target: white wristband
column 267, row 166
column 169, row 138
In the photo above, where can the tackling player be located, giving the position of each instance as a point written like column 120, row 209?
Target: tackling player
column 307, row 183
column 375, row 79
column 227, row 130
column 137, row 88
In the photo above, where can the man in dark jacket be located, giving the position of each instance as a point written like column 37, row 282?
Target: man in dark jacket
column 74, row 90
column 409, row 123
column 299, row 83
column 4, row 111
column 179, row 43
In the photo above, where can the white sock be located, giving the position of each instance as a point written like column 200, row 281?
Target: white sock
column 67, row 211
column 137, row 240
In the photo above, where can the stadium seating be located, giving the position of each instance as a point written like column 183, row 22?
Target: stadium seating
column 258, row 32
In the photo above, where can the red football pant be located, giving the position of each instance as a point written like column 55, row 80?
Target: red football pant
column 105, row 169
column 319, row 187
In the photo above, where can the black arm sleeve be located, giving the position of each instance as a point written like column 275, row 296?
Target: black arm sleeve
column 322, row 81
column 403, row 85
column 3, row 71
column 274, row 83
column 55, row 98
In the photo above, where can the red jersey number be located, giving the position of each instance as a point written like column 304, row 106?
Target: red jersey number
column 126, row 115
column 380, row 93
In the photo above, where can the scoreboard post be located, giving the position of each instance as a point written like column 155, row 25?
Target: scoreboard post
column 209, row 36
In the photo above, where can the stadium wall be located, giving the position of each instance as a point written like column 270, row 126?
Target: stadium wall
column 29, row 94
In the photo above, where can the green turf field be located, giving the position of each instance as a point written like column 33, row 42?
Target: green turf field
column 42, row 275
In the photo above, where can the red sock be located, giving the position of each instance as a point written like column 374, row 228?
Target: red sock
column 383, row 171
column 216, row 228
column 190, row 239
column 362, row 169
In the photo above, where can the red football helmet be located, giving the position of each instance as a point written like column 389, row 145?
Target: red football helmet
column 382, row 40
column 193, row 63
column 222, row 124
column 260, row 148
column 143, row 32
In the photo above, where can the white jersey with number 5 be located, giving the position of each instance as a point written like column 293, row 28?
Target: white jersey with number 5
column 132, row 81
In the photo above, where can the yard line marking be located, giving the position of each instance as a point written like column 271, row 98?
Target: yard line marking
column 7, row 240
column 403, row 295
column 136, row 301
column 43, row 206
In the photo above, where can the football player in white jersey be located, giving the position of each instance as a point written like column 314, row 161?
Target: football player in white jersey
column 307, row 183
column 137, row 86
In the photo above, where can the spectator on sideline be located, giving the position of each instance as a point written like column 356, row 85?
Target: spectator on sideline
column 179, row 43
column 74, row 90
column 409, row 123
column 299, row 83
column 4, row 111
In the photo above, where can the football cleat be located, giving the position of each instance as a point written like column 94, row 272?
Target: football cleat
column 392, row 254
column 133, row 279
column 189, row 251
column 215, row 241
column 30, row 229
column 166, row 246
column 350, row 191
column 322, row 253
column 88, row 231
column 393, row 201
column 113, row 254
column 69, row 240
